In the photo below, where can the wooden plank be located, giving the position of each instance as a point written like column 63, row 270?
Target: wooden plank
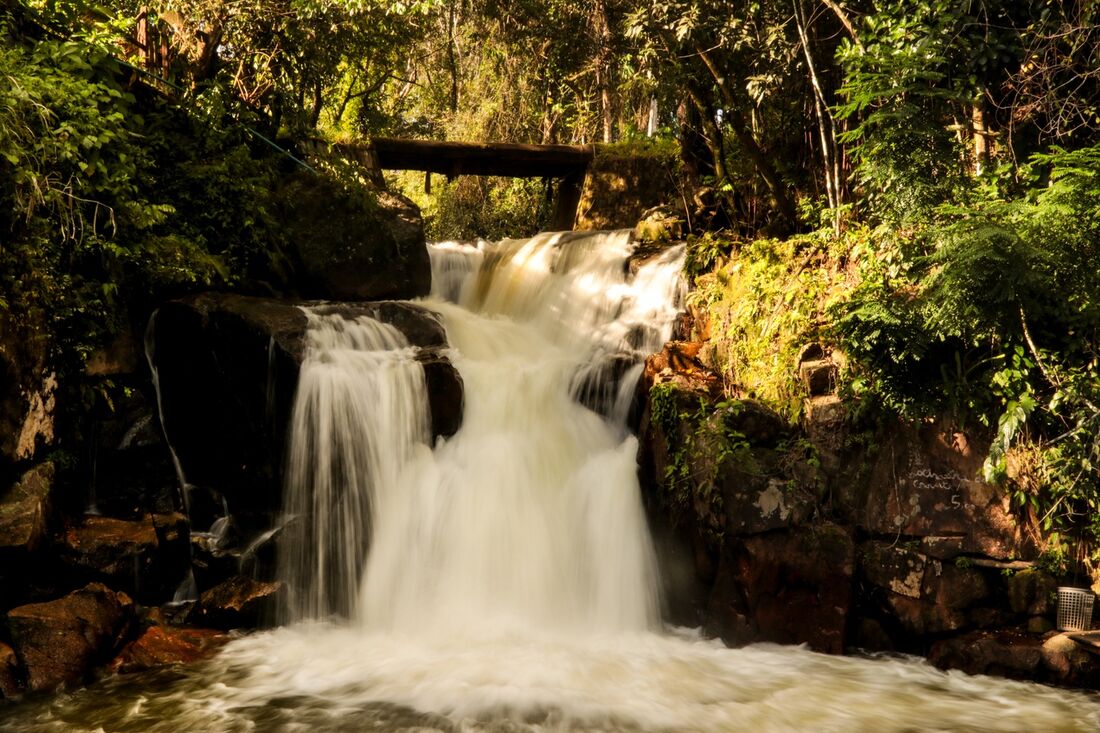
column 514, row 160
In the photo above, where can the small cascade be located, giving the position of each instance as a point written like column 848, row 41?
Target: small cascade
column 359, row 416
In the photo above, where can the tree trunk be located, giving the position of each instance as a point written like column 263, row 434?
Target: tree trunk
column 737, row 123
column 604, row 68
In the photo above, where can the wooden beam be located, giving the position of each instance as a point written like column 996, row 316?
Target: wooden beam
column 568, row 199
column 480, row 159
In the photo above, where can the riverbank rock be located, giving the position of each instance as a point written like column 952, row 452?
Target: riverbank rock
column 165, row 646
column 788, row 587
column 147, row 558
column 24, row 511
column 352, row 244
column 1052, row 658
column 11, row 683
column 60, row 641
column 239, row 603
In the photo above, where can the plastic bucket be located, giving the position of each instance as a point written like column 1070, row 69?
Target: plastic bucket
column 1074, row 609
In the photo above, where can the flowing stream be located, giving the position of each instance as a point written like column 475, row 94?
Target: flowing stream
column 504, row 579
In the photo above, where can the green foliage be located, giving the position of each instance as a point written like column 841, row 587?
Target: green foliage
column 470, row 207
column 765, row 304
column 992, row 312
column 111, row 198
column 701, row 440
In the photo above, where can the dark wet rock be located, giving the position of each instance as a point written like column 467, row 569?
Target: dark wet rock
column 228, row 370
column 239, row 603
column 25, row 509
column 134, row 475
column 352, row 244
column 597, row 385
column 163, row 646
column 1051, row 658
column 11, row 678
column 146, row 558
column 789, row 587
column 446, row 393
column 60, row 641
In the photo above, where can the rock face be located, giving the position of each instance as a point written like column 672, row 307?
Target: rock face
column 228, row 370
column 60, row 641
column 814, row 534
column 350, row 245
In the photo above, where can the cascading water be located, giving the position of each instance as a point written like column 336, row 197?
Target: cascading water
column 360, row 413
column 509, row 582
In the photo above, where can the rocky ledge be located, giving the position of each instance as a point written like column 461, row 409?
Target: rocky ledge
column 872, row 538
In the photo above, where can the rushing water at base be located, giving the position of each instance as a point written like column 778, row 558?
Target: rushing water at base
column 510, row 581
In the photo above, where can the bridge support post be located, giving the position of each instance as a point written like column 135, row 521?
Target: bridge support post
column 568, row 199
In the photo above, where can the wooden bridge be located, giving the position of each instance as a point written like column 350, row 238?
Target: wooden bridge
column 567, row 163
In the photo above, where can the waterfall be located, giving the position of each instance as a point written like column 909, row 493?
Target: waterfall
column 503, row 579
column 530, row 516
column 359, row 416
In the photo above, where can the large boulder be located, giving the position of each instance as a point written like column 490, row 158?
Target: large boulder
column 146, row 558
column 227, row 366
column 165, row 646
column 60, row 641
column 24, row 511
column 352, row 243
column 1052, row 658
column 790, row 587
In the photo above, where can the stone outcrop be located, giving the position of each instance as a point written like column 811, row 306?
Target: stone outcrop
column 875, row 537
column 146, row 558
column 352, row 244
column 239, row 602
column 165, row 646
column 59, row 642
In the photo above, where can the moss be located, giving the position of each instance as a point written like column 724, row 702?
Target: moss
column 765, row 300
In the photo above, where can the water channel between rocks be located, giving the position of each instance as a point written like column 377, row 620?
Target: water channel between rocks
column 504, row 579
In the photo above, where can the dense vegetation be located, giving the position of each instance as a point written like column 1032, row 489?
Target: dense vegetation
column 938, row 162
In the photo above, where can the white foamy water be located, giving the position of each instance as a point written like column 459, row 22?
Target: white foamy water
column 510, row 581
column 359, row 415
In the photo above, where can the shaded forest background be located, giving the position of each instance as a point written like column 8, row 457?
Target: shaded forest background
column 940, row 158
